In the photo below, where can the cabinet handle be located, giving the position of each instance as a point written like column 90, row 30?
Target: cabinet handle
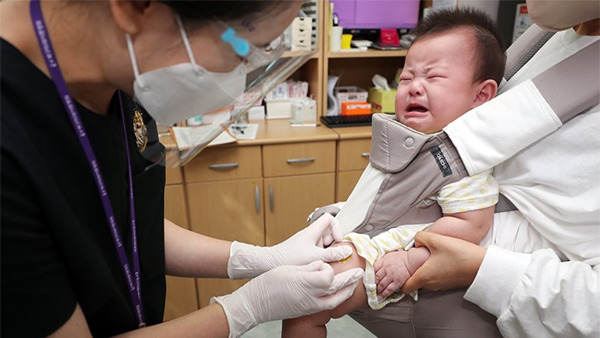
column 300, row 160
column 365, row 154
column 256, row 199
column 223, row 166
column 271, row 198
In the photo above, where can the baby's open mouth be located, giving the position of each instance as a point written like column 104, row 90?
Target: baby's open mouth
column 416, row 108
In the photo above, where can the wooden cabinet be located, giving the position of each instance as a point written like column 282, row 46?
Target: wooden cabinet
column 224, row 163
column 299, row 158
column 181, row 292
column 353, row 153
column 257, row 191
column 224, row 194
column 298, row 178
column 293, row 199
column 230, row 210
column 257, row 194
column 226, row 210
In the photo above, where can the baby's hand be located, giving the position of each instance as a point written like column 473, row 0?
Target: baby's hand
column 391, row 272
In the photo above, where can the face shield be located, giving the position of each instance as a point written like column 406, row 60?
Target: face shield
column 557, row 15
column 265, row 68
column 258, row 83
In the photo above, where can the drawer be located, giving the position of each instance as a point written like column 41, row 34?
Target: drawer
column 298, row 158
column 353, row 154
column 215, row 164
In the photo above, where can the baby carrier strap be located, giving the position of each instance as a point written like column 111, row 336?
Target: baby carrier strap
column 416, row 166
column 571, row 86
column 524, row 48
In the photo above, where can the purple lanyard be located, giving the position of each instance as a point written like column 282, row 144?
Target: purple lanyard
column 133, row 281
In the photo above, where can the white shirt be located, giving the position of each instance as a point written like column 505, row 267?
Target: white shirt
column 555, row 184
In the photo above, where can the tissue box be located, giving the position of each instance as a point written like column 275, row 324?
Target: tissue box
column 382, row 101
column 279, row 108
column 256, row 113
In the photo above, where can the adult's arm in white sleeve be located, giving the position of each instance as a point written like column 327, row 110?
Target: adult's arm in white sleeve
column 540, row 106
column 488, row 135
column 537, row 295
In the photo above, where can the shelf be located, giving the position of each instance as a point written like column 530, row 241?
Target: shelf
column 369, row 53
column 314, row 55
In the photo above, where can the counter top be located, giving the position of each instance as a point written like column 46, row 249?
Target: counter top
column 348, row 133
column 280, row 131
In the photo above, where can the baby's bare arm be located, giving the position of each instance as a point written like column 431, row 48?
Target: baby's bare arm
column 471, row 226
column 394, row 268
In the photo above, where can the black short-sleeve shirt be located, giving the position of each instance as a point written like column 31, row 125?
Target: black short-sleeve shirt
column 56, row 247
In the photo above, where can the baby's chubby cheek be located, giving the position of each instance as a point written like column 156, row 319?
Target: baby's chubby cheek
column 399, row 107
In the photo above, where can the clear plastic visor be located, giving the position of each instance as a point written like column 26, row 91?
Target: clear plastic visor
column 182, row 143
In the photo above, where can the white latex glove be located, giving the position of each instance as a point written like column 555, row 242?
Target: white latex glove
column 287, row 292
column 307, row 245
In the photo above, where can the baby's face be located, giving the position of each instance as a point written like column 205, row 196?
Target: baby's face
column 436, row 85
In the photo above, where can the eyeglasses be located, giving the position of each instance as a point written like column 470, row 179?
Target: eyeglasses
column 252, row 56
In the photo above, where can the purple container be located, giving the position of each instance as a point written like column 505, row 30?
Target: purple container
column 377, row 13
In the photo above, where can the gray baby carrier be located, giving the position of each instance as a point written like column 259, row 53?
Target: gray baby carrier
column 418, row 165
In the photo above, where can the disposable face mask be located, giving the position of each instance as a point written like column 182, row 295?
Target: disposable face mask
column 186, row 90
column 182, row 91
column 555, row 15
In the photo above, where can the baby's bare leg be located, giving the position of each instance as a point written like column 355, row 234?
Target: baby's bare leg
column 314, row 325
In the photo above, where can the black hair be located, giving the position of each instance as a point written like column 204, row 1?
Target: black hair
column 491, row 60
column 202, row 11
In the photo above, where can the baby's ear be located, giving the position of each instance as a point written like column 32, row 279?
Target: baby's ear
column 486, row 91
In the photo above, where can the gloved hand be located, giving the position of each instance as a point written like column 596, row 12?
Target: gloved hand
column 307, row 245
column 287, row 292
column 332, row 209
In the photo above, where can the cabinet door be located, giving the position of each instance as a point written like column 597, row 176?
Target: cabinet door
column 173, row 176
column 289, row 201
column 346, row 180
column 353, row 154
column 181, row 292
column 230, row 210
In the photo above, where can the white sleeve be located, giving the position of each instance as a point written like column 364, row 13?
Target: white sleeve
column 519, row 117
column 537, row 295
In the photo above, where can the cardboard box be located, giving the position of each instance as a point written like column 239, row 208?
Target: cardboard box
column 351, row 93
column 279, row 108
column 356, row 108
column 301, row 33
column 383, row 101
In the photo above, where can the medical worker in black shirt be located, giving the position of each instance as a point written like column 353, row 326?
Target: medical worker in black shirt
column 85, row 246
